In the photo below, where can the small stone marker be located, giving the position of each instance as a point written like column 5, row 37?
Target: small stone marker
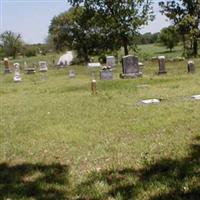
column 110, row 61
column 130, row 67
column 72, row 73
column 196, row 97
column 191, row 66
column 43, row 66
column 94, row 65
column 94, row 86
column 161, row 63
column 150, row 101
column 17, row 76
column 7, row 69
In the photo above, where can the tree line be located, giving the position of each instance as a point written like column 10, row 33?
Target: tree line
column 96, row 27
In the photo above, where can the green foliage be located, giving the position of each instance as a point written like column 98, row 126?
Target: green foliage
column 119, row 20
column 186, row 17
column 147, row 38
column 169, row 37
column 30, row 51
column 11, row 43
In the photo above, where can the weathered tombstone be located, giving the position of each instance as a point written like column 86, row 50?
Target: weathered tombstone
column 110, row 61
column 29, row 70
column 43, row 66
column 106, row 74
column 94, row 65
column 161, row 63
column 130, row 67
column 6, row 66
column 191, row 66
column 150, row 101
column 17, row 76
column 72, row 73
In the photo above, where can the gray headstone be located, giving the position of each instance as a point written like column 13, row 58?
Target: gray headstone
column 130, row 67
column 17, row 76
column 106, row 74
column 191, row 66
column 110, row 61
column 161, row 63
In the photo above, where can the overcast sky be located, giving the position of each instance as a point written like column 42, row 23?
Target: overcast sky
column 31, row 18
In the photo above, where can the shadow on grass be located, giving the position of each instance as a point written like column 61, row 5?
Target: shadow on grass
column 163, row 180
column 34, row 181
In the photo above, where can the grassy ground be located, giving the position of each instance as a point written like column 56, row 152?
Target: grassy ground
column 60, row 142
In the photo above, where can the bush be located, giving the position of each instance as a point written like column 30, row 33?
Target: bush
column 30, row 52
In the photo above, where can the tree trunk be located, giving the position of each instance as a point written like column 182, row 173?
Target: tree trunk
column 125, row 45
column 125, row 49
column 195, row 47
column 184, row 45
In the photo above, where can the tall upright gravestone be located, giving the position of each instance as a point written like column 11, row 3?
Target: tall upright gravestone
column 161, row 63
column 130, row 67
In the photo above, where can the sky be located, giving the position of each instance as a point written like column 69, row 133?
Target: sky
column 31, row 18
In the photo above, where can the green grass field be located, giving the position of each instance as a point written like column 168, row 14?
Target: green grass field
column 58, row 141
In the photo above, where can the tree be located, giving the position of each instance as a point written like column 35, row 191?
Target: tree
column 185, row 15
column 11, row 43
column 120, row 20
column 78, row 29
column 169, row 37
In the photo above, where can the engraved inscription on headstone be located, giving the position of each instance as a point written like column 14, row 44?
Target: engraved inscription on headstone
column 130, row 67
column 161, row 63
column 191, row 66
column 106, row 74
column 110, row 61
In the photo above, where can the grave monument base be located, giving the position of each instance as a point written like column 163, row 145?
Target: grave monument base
column 131, row 75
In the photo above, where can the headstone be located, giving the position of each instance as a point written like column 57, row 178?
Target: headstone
column 191, row 66
column 6, row 66
column 196, row 97
column 29, row 70
column 130, row 67
column 150, row 101
column 17, row 76
column 106, row 74
column 72, row 73
column 94, row 65
column 65, row 59
column 110, row 61
column 43, row 66
column 161, row 63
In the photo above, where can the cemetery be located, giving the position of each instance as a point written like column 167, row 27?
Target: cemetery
column 100, row 100
column 91, row 125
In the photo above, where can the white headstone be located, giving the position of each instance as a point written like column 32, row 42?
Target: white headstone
column 93, row 65
column 65, row 59
column 43, row 66
column 150, row 101
column 17, row 76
